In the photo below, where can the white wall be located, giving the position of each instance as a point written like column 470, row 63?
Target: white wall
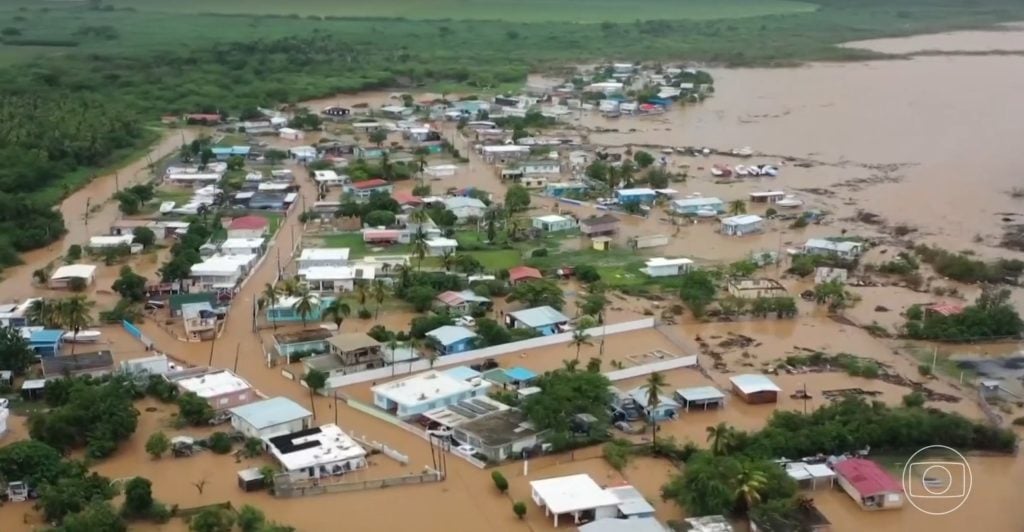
column 647, row 369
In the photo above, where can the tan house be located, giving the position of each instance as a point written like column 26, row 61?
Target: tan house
column 756, row 288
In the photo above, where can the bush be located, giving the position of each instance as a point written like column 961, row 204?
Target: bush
column 500, row 481
column 220, row 443
column 380, row 333
column 1019, row 421
column 364, row 314
column 157, row 444
column 913, row 400
column 519, row 508
column 539, row 252
column 587, row 273
column 925, row 370
column 617, row 453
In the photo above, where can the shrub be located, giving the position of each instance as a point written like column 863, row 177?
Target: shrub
column 500, row 481
column 616, row 453
column 220, row 443
column 913, row 400
column 539, row 252
column 925, row 370
column 1019, row 421
column 364, row 314
column 157, row 444
column 587, row 273
column 519, row 508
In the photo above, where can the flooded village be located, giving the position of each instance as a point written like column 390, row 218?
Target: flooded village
column 366, row 298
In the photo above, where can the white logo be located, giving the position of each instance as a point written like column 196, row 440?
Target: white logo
column 937, row 480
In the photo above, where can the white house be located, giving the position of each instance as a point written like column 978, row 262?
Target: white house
column 465, row 208
column 440, row 170
column 318, row 452
column 110, row 241
column 575, row 495
column 414, row 395
column 844, row 250
column 61, row 277
column 439, row 246
column 242, row 246
column 192, row 178
column 743, row 224
column 303, row 153
column 553, row 222
column 288, row 133
column 607, row 87
column 335, row 278
column 329, row 178
column 312, row 257
column 540, row 167
column 662, row 267
column 221, row 271
column 270, row 417
column 504, row 152
column 695, row 205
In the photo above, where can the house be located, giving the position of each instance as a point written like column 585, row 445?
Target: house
column 318, row 257
column 605, row 224
column 329, row 178
column 632, row 504
column 412, row 396
column 667, row 408
column 539, row 167
column 692, row 206
column 176, row 301
column 396, row 111
column 330, row 279
column 110, row 241
column 756, row 288
column 440, row 246
column 499, row 435
column 606, row 87
column 223, row 153
column 143, row 368
column 503, row 153
column 700, row 396
column 465, row 208
column 192, row 178
column 824, row 274
column 640, row 524
column 44, row 342
column 807, row 475
column 356, row 350
column 451, row 339
column 708, row 523
column 440, row 170
column 944, row 309
column 382, row 236
column 522, row 274
column 534, row 183
column 221, row 272
column 846, row 249
column 221, row 388
column 662, row 267
column 635, row 195
column 462, row 303
column 288, row 133
column 755, row 389
column 545, row 320
column 285, row 309
column 551, row 223
column 200, row 321
column 248, row 227
column 767, row 197
column 303, row 153
column 648, row 241
column 743, row 224
column 292, row 344
column 95, row 364
column 576, row 495
column 242, row 246
column 317, row 452
column 566, row 190
column 127, row 226
column 15, row 314
column 270, row 417
column 362, row 190
column 64, row 276
column 867, row 483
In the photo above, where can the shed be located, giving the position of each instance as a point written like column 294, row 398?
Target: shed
column 520, row 274
column 451, row 339
column 868, row 484
column 744, row 224
column 700, row 396
column 32, row 389
column 755, row 389
column 577, row 495
column 62, row 277
column 251, row 479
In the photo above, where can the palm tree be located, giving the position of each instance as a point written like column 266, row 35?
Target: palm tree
column 419, row 216
column 432, row 358
column 580, row 338
column 304, row 303
column 419, row 246
column 448, row 259
column 290, row 287
column 749, row 482
column 362, row 294
column 719, row 436
column 380, row 293
column 268, row 300
column 315, row 380
column 43, row 312
column 654, row 386
column 737, row 207
column 392, row 346
column 337, row 311
column 40, row 276
column 75, row 313
column 570, row 365
column 421, row 164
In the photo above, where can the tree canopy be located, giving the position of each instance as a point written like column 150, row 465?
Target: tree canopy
column 565, row 394
column 87, row 413
column 538, row 293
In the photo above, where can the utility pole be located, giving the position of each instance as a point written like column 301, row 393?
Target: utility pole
column 237, row 347
column 212, row 344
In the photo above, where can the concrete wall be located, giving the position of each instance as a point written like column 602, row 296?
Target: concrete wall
column 647, row 369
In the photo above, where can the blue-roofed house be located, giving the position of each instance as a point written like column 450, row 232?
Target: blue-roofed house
column 545, row 320
column 45, row 342
column 691, row 206
column 462, row 373
column 270, row 417
column 223, row 153
column 451, row 339
column 565, row 190
column 635, row 195
column 520, row 375
column 284, row 310
column 667, row 407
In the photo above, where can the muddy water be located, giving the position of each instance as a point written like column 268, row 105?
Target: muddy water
column 1002, row 38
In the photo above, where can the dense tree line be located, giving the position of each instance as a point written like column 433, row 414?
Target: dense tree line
column 991, row 316
column 84, row 413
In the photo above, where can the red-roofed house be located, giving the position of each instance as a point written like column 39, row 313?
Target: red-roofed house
column 248, row 227
column 868, row 484
column 944, row 309
column 203, row 118
column 361, row 190
column 382, row 236
column 522, row 274
column 406, row 199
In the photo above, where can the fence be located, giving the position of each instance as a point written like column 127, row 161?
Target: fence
column 489, row 352
column 647, row 369
column 285, row 487
column 133, row 330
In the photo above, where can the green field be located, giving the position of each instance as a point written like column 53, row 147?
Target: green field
column 519, row 11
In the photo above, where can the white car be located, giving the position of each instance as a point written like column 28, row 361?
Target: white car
column 466, row 321
column 466, row 450
column 4, row 403
column 607, row 201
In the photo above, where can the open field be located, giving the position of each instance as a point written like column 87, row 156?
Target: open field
column 523, row 11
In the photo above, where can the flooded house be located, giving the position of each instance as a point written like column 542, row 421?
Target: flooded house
column 332, row 279
column 743, row 224
column 451, row 339
column 462, row 303
column 248, row 227
column 96, row 364
column 415, row 395
column 846, row 249
column 322, row 257
column 667, row 407
column 552, row 223
column 362, row 190
column 465, row 208
column 441, row 246
column 317, row 452
column 573, row 189
column 755, row 389
column 221, row 388
column 769, row 197
column 695, row 206
column 270, row 417
column 349, row 352
column 643, row 196
column 221, row 272
column 544, row 320
column 523, row 274
column 599, row 225
column 504, row 153
column 65, row 276
column 702, row 397
column 539, row 167
column 499, row 435
column 43, row 342
column 199, row 320
column 292, row 344
column 867, row 483
column 662, row 267
column 756, row 288
column 582, row 499
column 329, row 178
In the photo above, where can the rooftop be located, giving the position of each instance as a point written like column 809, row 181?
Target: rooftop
column 243, row 243
column 463, row 373
column 539, row 316
column 635, row 192
column 752, row 383
column 742, row 219
column 599, row 220
column 339, row 254
column 449, row 334
column 56, row 366
column 424, row 388
column 248, row 222
column 452, row 298
column 552, row 218
column 500, row 428
column 83, row 271
column 307, row 335
column 442, row 242
column 709, row 523
column 612, row 524
column 353, row 342
column 465, row 410
column 641, row 395
column 572, row 493
column 767, row 194
column 662, row 261
column 212, row 383
column 520, row 374
column 700, row 393
column 756, row 284
column 321, row 445
column 523, row 272
column 334, row 273
column 631, row 501
column 867, row 477
column 697, row 202
column 269, row 412
column 821, row 243
column 369, row 183
column 455, row 202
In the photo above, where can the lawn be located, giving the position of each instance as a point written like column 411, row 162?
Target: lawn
column 358, row 248
column 520, row 11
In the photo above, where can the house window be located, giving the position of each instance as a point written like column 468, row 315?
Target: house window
column 242, row 396
column 224, row 401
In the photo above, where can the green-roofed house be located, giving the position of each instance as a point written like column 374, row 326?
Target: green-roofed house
column 177, row 300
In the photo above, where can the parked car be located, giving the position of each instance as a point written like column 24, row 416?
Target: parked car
column 466, row 450
column 466, row 321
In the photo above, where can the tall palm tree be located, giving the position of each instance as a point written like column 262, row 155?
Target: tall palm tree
column 290, row 287
column 737, row 207
column 419, row 216
column 655, row 387
column 268, row 300
column 362, row 294
column 392, row 346
column 380, row 292
column 580, row 338
column 570, row 365
column 719, row 436
column 315, row 380
column 75, row 313
column 448, row 259
column 432, row 358
column 421, row 164
column 304, row 304
column 419, row 246
column 337, row 311
column 44, row 312
column 749, row 482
